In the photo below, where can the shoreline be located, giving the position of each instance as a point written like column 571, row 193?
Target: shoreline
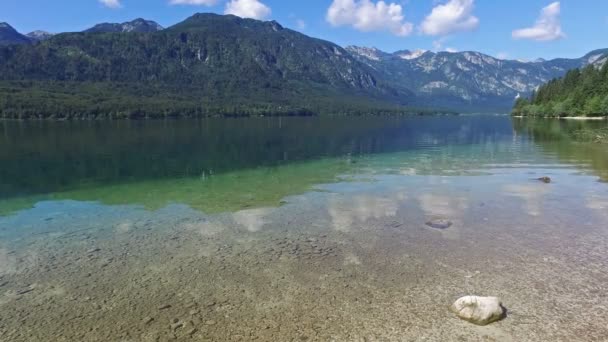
column 592, row 118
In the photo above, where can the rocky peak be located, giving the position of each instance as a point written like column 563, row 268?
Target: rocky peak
column 407, row 54
column 369, row 53
column 137, row 25
column 39, row 35
column 8, row 35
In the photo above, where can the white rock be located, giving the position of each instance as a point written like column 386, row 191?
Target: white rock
column 478, row 310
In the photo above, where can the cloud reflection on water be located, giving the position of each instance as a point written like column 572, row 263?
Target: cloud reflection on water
column 532, row 194
column 252, row 219
column 346, row 212
column 7, row 262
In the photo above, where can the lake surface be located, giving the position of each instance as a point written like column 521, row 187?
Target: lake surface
column 301, row 229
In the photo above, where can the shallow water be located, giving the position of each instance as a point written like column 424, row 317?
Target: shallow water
column 301, row 229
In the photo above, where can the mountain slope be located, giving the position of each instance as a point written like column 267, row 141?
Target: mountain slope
column 210, row 59
column 468, row 80
column 137, row 25
column 8, row 36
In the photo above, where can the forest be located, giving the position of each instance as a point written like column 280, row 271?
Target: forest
column 66, row 100
column 579, row 93
column 207, row 65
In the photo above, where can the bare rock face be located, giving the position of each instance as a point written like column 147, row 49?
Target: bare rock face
column 479, row 310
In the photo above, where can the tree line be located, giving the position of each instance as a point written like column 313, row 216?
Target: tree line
column 581, row 92
column 61, row 100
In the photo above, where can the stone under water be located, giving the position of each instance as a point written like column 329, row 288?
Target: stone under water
column 439, row 223
column 545, row 179
column 479, row 310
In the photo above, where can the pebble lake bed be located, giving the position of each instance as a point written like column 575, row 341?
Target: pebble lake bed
column 377, row 252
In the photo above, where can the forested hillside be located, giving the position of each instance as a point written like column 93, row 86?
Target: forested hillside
column 206, row 65
column 579, row 93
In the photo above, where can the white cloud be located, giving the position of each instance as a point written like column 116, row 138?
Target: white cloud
column 453, row 16
column 300, row 24
column 438, row 45
column 546, row 28
column 193, row 2
column 111, row 3
column 248, row 9
column 365, row 15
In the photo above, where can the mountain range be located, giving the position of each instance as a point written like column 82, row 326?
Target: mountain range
column 206, row 63
column 226, row 59
column 468, row 79
column 8, row 35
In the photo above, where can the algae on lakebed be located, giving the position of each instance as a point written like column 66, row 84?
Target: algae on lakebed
column 267, row 186
column 232, row 191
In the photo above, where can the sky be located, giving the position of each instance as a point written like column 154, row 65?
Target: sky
column 510, row 29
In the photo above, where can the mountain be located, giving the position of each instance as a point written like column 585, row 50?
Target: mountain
column 468, row 80
column 39, row 35
column 207, row 61
column 8, row 35
column 233, row 65
column 137, row 25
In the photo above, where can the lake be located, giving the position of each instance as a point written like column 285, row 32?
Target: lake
column 301, row 229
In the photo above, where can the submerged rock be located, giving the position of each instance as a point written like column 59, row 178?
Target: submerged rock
column 545, row 179
column 479, row 310
column 439, row 223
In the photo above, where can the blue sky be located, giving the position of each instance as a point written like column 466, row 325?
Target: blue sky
column 517, row 29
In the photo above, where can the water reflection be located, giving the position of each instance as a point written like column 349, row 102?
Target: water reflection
column 350, row 261
column 123, row 228
column 253, row 219
column 204, row 227
column 443, row 206
column 7, row 262
column 347, row 212
column 531, row 194
column 556, row 139
column 233, row 165
column 48, row 157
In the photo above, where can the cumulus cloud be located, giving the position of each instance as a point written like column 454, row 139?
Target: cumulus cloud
column 453, row 16
column 111, row 3
column 193, row 2
column 248, row 9
column 546, row 28
column 365, row 15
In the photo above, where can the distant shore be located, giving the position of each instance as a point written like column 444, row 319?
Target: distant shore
column 596, row 118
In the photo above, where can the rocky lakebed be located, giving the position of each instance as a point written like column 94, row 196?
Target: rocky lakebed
column 352, row 261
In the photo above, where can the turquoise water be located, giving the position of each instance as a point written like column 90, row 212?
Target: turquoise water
column 301, row 229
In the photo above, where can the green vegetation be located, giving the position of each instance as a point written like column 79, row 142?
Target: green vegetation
column 232, row 191
column 93, row 100
column 208, row 65
column 579, row 93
